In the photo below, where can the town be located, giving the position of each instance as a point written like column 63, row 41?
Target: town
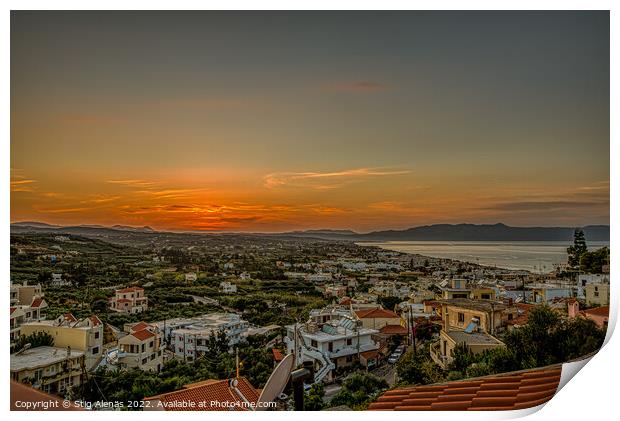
column 105, row 316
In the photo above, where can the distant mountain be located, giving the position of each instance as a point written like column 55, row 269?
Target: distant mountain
column 34, row 224
column 323, row 232
column 134, row 229
column 438, row 232
column 465, row 232
column 85, row 229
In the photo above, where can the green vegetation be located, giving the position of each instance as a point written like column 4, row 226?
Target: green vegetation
column 358, row 390
column 313, row 399
column 546, row 339
column 133, row 385
column 35, row 339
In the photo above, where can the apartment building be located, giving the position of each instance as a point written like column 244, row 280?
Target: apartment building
column 597, row 294
column 189, row 338
column 338, row 342
column 140, row 348
column 24, row 294
column 51, row 369
column 129, row 300
column 84, row 335
column 21, row 314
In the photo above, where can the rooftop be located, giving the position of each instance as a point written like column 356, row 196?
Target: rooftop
column 376, row 313
column 474, row 338
column 508, row 391
column 598, row 311
column 206, row 392
column 40, row 357
column 480, row 305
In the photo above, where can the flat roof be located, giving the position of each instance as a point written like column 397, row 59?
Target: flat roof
column 482, row 305
column 474, row 338
column 41, row 356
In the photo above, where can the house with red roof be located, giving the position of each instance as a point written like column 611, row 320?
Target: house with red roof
column 599, row 315
column 376, row 318
column 209, row 395
column 85, row 335
column 21, row 314
column 141, row 348
column 129, row 300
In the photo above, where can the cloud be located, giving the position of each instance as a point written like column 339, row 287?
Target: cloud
column 22, row 185
column 132, row 183
column 359, row 86
column 326, row 180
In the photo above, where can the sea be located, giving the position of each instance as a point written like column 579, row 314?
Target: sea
column 533, row 256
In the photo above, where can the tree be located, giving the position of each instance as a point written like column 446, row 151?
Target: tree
column 578, row 248
column 418, row 369
column 389, row 302
column 359, row 389
column 313, row 401
column 593, row 261
column 35, row 339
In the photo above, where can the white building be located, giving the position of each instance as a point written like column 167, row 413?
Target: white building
column 57, row 280
column 228, row 288
column 189, row 337
column 191, row 277
column 129, row 300
column 331, row 339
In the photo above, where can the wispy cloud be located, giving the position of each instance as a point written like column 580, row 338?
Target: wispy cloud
column 132, row 182
column 23, row 185
column 326, row 180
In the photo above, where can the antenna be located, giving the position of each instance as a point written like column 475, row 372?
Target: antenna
column 276, row 382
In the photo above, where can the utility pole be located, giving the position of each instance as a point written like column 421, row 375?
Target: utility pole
column 237, row 360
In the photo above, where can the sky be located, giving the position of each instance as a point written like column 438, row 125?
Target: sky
column 274, row 121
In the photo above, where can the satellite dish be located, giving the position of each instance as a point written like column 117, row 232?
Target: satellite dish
column 277, row 381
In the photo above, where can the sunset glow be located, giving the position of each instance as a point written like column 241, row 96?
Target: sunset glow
column 217, row 121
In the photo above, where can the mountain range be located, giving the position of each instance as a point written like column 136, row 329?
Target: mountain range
column 437, row 232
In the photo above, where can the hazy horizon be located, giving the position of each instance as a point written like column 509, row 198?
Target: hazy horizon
column 281, row 121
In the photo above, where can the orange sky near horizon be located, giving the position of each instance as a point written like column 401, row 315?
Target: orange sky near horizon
column 268, row 122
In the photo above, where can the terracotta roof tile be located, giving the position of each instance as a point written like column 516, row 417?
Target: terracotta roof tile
column 13, row 309
column 37, row 302
column 95, row 320
column 140, row 326
column 69, row 317
column 130, row 289
column 277, row 354
column 375, row 313
column 24, row 393
column 393, row 330
column 143, row 334
column 210, row 391
column 517, row 390
column 598, row 311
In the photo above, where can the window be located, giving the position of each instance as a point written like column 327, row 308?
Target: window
column 486, row 296
column 96, row 335
column 151, row 344
column 143, row 347
column 144, row 360
column 313, row 343
column 349, row 341
column 330, row 346
column 596, row 294
column 96, row 350
column 461, row 317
